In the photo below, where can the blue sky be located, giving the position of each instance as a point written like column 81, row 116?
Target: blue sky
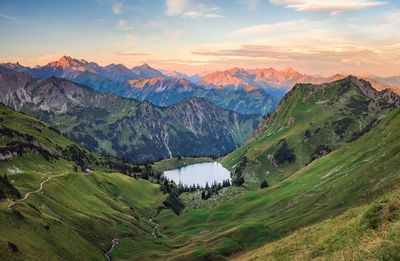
column 323, row 37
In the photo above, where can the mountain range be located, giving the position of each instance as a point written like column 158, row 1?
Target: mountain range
column 132, row 130
column 164, row 88
column 143, row 83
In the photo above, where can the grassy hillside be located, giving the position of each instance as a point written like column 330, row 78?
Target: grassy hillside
column 63, row 213
column 369, row 232
column 310, row 121
column 350, row 176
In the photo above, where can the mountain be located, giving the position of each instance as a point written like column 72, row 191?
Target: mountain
column 273, row 81
column 289, row 138
column 228, row 89
column 327, row 150
column 392, row 81
column 126, row 128
column 63, row 201
column 175, row 74
column 278, row 82
column 146, row 83
column 164, row 91
column 198, row 76
column 71, row 68
column 146, row 72
column 249, row 100
column 111, row 78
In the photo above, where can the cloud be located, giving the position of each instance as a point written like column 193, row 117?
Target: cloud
column 191, row 9
column 131, row 53
column 203, row 11
column 269, row 28
column 7, row 17
column 124, row 25
column 250, row 4
column 175, row 7
column 335, row 7
column 117, row 7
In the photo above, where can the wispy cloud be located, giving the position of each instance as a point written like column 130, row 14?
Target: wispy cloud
column 191, row 9
column 269, row 28
column 117, row 7
column 100, row 21
column 204, row 11
column 175, row 7
column 131, row 53
column 124, row 25
column 7, row 17
column 333, row 6
column 250, row 4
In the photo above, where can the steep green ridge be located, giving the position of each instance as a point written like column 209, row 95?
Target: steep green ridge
column 310, row 121
column 350, row 176
column 135, row 131
column 64, row 213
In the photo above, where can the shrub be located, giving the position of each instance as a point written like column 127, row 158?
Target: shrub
column 264, row 184
column 284, row 154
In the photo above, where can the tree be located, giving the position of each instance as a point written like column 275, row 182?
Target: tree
column 284, row 153
column 264, row 184
column 203, row 195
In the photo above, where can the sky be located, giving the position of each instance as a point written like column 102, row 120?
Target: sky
column 191, row 36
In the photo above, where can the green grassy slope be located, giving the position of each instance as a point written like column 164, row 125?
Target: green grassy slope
column 313, row 120
column 353, row 174
column 369, row 232
column 63, row 213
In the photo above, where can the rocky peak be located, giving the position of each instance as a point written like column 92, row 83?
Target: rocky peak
column 66, row 61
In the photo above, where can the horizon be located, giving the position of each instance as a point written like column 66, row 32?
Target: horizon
column 198, row 73
column 355, row 37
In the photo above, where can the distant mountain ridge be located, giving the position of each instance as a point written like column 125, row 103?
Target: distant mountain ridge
column 278, row 82
column 132, row 130
column 227, row 89
column 146, row 83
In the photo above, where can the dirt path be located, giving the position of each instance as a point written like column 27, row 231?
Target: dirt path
column 154, row 232
column 36, row 191
column 114, row 243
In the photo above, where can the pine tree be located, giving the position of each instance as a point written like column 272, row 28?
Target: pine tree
column 264, row 184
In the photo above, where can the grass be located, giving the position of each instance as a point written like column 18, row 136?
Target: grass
column 83, row 212
column 75, row 215
column 349, row 236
